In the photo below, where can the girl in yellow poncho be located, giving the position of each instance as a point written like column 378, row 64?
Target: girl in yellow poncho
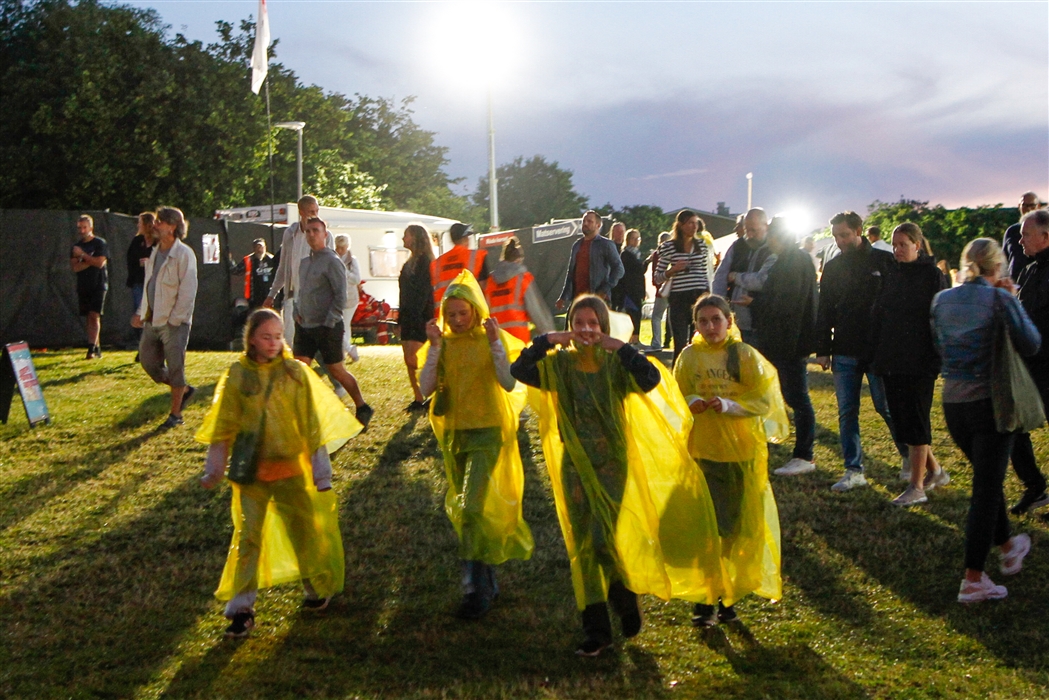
column 285, row 522
column 734, row 395
column 474, row 414
column 634, row 508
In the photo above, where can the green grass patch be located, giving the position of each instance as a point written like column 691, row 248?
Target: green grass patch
column 110, row 551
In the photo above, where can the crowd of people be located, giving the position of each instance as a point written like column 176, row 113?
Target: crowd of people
column 660, row 479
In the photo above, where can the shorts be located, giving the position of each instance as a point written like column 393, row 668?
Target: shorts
column 413, row 331
column 162, row 352
column 910, row 400
column 327, row 341
column 91, row 301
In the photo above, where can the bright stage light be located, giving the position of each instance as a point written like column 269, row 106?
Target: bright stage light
column 799, row 222
column 477, row 43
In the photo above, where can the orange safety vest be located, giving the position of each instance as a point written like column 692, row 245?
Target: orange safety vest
column 445, row 269
column 506, row 304
column 247, row 277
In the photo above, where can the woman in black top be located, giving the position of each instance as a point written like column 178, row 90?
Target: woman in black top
column 137, row 254
column 633, row 282
column 905, row 357
column 416, row 304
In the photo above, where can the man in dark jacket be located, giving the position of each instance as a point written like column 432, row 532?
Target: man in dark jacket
column 784, row 317
column 850, row 285
column 1014, row 252
column 1033, row 281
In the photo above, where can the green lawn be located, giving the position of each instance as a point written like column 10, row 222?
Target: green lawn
column 110, row 550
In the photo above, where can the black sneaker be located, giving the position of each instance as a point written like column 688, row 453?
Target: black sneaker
column 137, row 360
column 727, row 613
column 473, row 606
column 315, row 604
column 704, row 615
column 364, row 415
column 241, row 625
column 172, row 422
column 415, row 406
column 1031, row 500
column 190, row 390
column 592, row 647
column 93, row 352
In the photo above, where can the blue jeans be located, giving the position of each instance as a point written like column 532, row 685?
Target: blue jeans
column 848, row 380
column 659, row 308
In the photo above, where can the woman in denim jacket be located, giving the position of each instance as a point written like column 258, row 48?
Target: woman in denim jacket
column 963, row 329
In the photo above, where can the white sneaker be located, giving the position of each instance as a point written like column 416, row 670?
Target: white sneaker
column 905, row 470
column 932, row 481
column 910, row 497
column 797, row 465
column 1013, row 561
column 354, row 355
column 852, row 479
column 984, row 589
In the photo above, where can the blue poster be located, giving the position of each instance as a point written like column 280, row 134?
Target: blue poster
column 28, row 384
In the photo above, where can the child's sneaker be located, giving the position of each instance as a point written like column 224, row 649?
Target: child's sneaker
column 727, row 613
column 592, row 647
column 364, row 415
column 241, row 625
column 315, row 604
column 704, row 615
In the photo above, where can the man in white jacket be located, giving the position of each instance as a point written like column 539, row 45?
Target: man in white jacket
column 166, row 312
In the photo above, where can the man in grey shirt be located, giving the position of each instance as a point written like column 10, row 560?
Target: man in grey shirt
column 318, row 312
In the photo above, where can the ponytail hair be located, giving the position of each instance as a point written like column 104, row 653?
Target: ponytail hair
column 982, row 256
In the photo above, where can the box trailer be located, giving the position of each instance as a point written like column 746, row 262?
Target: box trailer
column 375, row 238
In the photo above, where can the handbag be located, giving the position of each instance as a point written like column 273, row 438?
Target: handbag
column 244, row 460
column 665, row 288
column 1014, row 395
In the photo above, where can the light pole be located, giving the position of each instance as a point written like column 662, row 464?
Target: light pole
column 750, row 190
column 493, row 182
column 295, row 126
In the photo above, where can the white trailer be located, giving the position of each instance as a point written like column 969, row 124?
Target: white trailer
column 375, row 238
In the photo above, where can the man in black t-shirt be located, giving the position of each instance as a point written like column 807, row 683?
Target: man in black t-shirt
column 88, row 259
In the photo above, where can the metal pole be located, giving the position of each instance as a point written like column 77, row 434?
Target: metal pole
column 750, row 191
column 269, row 141
column 300, row 165
column 493, row 181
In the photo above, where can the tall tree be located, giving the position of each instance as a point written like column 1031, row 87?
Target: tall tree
column 99, row 108
column 532, row 192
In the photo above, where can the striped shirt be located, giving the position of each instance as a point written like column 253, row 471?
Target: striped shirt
column 692, row 278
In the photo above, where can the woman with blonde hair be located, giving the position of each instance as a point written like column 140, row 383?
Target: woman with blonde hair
column 964, row 320
column 686, row 262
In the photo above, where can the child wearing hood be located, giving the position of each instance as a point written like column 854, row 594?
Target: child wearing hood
column 474, row 414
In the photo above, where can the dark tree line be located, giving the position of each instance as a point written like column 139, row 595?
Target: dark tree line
column 101, row 108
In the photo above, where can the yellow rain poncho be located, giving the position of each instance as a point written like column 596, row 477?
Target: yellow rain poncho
column 732, row 452
column 298, row 537
column 632, row 504
column 475, row 421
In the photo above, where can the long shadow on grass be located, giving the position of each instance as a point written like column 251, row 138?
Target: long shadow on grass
column 792, row 671
column 100, row 620
column 156, row 407
column 394, row 634
column 919, row 558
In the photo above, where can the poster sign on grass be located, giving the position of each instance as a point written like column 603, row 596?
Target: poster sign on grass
column 18, row 369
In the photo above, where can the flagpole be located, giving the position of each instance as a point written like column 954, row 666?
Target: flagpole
column 269, row 142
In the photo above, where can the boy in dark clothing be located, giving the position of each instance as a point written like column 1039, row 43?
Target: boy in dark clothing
column 88, row 259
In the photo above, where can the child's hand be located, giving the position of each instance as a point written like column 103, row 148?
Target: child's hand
column 717, row 404
column 698, row 406
column 560, row 337
column 433, row 332
column 609, row 343
column 491, row 329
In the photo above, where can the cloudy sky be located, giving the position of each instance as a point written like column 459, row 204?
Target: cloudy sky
column 830, row 104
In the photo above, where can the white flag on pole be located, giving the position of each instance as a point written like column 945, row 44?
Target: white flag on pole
column 259, row 57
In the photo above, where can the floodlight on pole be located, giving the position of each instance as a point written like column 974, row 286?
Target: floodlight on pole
column 298, row 127
column 750, row 191
column 493, row 181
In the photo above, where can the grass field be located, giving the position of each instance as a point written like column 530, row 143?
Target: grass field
column 110, row 551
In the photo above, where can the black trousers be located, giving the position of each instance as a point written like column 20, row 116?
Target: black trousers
column 681, row 317
column 972, row 428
